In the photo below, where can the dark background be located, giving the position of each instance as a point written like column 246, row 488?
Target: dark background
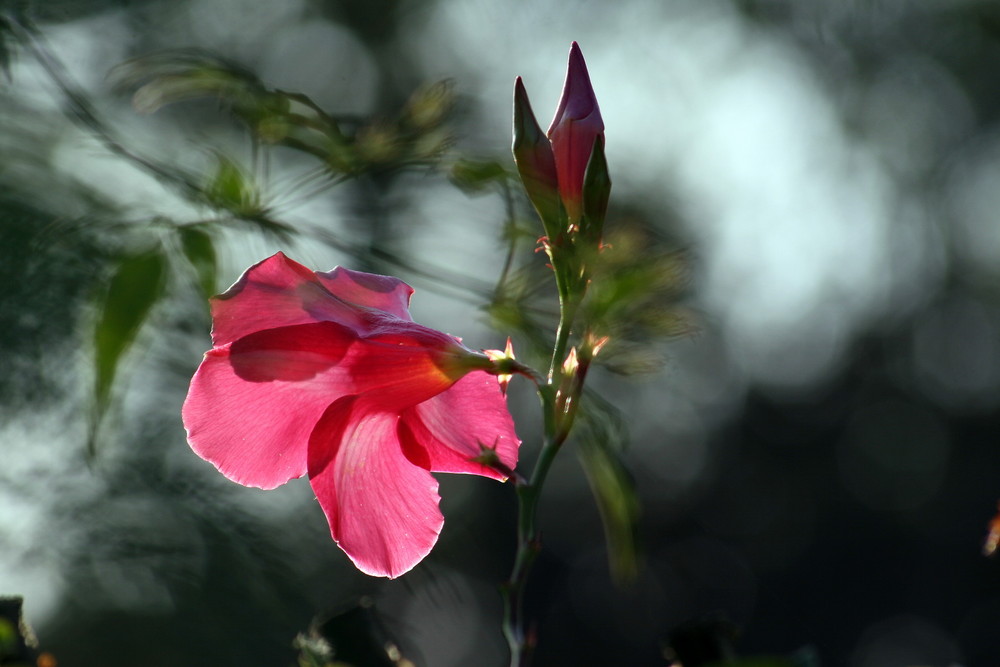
column 816, row 463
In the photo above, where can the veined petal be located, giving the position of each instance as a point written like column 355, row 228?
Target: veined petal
column 276, row 292
column 444, row 433
column 369, row 289
column 383, row 510
column 255, row 433
column 253, row 403
column 313, row 373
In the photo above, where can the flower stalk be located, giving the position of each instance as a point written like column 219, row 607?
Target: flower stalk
column 565, row 176
column 558, row 410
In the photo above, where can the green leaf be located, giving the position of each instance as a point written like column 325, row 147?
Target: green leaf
column 6, row 48
column 135, row 286
column 231, row 189
column 602, row 436
column 430, row 104
column 200, row 252
column 475, row 176
column 174, row 76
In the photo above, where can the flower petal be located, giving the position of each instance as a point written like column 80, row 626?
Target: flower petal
column 295, row 354
column 253, row 403
column 578, row 101
column 444, row 433
column 369, row 289
column 255, row 433
column 383, row 510
column 279, row 292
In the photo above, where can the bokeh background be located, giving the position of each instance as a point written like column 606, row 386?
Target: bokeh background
column 816, row 459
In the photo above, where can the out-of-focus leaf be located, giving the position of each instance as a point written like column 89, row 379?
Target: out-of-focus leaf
column 602, row 436
column 231, row 189
column 430, row 104
column 5, row 46
column 634, row 298
column 347, row 147
column 378, row 143
column 273, row 116
column 476, row 176
column 279, row 230
column 175, row 76
column 135, row 286
column 200, row 252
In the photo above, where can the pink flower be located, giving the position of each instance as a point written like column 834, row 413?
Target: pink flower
column 326, row 374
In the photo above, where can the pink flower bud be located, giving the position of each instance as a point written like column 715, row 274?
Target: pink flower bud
column 575, row 128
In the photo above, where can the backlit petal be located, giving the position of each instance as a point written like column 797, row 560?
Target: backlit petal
column 445, row 432
column 275, row 292
column 255, row 433
column 383, row 510
column 253, row 403
column 369, row 289
column 327, row 374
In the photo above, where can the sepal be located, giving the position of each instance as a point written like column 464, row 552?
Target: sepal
column 596, row 191
column 536, row 163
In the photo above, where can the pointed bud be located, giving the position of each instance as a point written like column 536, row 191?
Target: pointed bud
column 574, row 131
column 570, row 363
column 536, row 162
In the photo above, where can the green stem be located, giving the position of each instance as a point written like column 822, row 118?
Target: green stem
column 556, row 427
column 528, row 544
column 568, row 303
column 513, row 590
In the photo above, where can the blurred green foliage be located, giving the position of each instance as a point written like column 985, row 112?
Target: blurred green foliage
column 231, row 189
column 199, row 249
column 602, row 436
column 135, row 286
column 346, row 147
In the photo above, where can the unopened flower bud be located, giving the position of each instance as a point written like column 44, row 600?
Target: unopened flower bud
column 575, row 129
